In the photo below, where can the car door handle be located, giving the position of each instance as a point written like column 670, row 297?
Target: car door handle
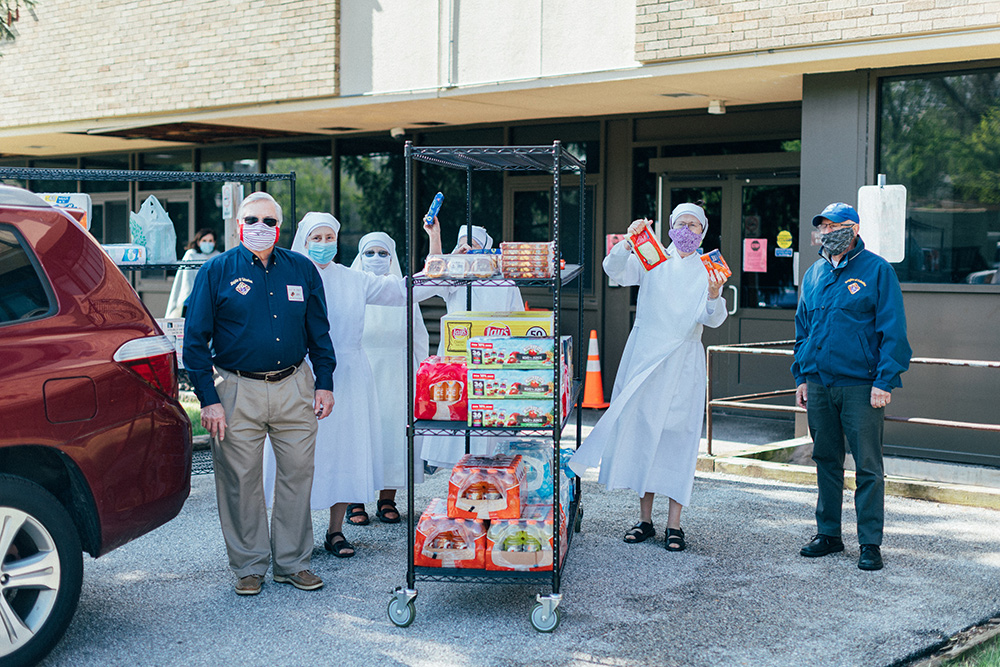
column 736, row 299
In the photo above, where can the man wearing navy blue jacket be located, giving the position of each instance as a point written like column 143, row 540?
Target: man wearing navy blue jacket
column 850, row 349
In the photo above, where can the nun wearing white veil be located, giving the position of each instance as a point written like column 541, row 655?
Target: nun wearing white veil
column 349, row 441
column 444, row 451
column 648, row 438
column 384, row 342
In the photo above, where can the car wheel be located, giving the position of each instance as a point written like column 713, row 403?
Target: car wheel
column 41, row 572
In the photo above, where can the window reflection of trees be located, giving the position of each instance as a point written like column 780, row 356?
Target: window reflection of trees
column 940, row 137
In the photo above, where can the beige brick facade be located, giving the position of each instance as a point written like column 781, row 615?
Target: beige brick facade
column 113, row 58
column 668, row 29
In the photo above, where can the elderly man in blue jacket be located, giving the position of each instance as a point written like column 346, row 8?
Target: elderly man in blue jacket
column 850, row 349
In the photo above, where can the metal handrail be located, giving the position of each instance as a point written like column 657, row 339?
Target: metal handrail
column 768, row 349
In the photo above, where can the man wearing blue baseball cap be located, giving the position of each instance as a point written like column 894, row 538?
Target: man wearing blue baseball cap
column 850, row 349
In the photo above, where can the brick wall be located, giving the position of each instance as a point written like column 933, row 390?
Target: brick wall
column 667, row 29
column 108, row 58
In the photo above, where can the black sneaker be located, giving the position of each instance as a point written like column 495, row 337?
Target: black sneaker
column 871, row 557
column 822, row 545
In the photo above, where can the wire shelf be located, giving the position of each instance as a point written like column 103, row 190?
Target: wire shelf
column 567, row 275
column 500, row 158
column 43, row 174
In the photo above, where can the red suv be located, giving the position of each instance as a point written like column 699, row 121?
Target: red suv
column 95, row 449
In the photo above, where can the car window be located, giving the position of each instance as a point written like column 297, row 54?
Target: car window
column 23, row 295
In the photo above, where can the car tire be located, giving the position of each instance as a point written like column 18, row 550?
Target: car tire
column 40, row 574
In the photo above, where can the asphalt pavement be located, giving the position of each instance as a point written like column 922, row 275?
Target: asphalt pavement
column 740, row 594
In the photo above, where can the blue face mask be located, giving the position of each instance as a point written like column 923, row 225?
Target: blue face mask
column 322, row 253
column 206, row 247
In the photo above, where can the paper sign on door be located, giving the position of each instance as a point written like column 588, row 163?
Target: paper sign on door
column 755, row 255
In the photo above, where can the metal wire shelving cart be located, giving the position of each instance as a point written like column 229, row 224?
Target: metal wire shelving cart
column 555, row 160
column 134, row 176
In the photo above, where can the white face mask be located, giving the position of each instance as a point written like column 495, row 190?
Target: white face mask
column 259, row 236
column 377, row 265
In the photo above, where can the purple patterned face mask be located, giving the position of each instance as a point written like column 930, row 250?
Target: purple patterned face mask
column 684, row 239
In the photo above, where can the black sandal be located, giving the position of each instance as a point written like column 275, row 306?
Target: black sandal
column 385, row 506
column 640, row 532
column 675, row 539
column 339, row 547
column 357, row 510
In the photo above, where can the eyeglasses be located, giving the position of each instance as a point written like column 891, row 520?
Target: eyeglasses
column 253, row 220
column 380, row 253
column 825, row 227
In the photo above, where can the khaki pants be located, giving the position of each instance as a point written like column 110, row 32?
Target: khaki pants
column 284, row 411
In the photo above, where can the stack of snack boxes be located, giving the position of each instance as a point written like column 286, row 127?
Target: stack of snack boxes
column 458, row 327
column 511, row 381
column 489, row 521
column 527, row 260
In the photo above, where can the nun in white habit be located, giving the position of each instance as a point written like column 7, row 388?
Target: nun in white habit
column 349, row 442
column 444, row 451
column 384, row 342
column 648, row 438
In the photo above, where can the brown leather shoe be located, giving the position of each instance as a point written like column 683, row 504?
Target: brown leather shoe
column 250, row 584
column 304, row 580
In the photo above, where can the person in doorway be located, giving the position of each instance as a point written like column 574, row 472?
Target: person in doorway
column 648, row 438
column 384, row 342
column 254, row 314
column 349, row 444
column 445, row 451
column 200, row 249
column 850, row 350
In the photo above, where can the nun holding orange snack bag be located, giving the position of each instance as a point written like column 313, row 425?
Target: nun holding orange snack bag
column 648, row 438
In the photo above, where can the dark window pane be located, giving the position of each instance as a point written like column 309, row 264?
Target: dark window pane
column 180, row 160
column 372, row 193
column 23, row 295
column 643, row 184
column 769, row 210
column 312, row 164
column 939, row 135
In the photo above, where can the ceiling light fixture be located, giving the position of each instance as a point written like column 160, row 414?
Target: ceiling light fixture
column 716, row 107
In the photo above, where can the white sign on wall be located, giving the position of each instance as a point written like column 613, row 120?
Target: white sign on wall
column 882, row 209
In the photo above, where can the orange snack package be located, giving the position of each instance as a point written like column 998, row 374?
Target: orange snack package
column 713, row 260
column 524, row 543
column 648, row 248
column 440, row 541
column 486, row 487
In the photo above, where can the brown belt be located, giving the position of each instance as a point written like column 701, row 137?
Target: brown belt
column 270, row 376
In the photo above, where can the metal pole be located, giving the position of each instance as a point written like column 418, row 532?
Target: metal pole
column 410, row 523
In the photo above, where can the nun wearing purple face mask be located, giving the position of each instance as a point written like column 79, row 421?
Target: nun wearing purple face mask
column 648, row 438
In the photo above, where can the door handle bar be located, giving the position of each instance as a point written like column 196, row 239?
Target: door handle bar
column 736, row 299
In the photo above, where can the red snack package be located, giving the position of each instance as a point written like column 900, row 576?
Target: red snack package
column 441, row 393
column 713, row 260
column 648, row 248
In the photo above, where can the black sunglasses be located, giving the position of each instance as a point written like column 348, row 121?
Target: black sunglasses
column 372, row 253
column 253, row 220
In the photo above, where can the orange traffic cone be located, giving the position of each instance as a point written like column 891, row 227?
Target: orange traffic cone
column 593, row 387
